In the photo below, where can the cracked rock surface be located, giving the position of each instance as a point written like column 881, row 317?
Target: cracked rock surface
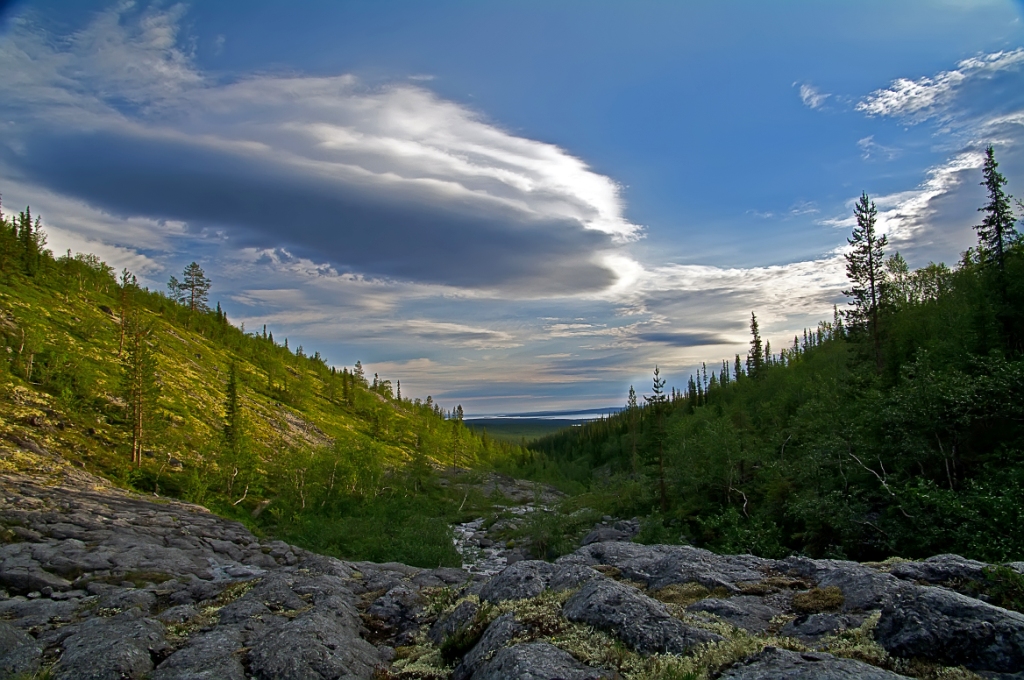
column 100, row 583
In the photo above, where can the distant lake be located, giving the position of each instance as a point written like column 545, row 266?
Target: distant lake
column 527, row 427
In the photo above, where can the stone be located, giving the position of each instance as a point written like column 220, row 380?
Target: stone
column 20, row 654
column 657, row 566
column 458, row 619
column 641, row 622
column 941, row 625
column 864, row 588
column 537, row 661
column 315, row 644
column 940, row 569
column 743, row 611
column 498, row 634
column 215, row 655
column 811, row 627
column 519, row 581
column 603, row 534
column 122, row 646
column 773, row 663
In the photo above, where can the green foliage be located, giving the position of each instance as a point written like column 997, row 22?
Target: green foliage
column 103, row 371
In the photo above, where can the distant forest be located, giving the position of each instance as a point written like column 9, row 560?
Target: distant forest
column 896, row 428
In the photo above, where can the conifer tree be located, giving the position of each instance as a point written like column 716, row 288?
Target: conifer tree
column 865, row 267
column 755, row 358
column 195, row 288
column 632, row 414
column 657, row 404
column 996, row 232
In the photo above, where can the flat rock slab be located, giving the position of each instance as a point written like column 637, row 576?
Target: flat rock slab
column 530, row 578
column 537, row 661
column 641, row 622
column 743, row 611
column 940, row 569
column 658, row 566
column 864, row 588
column 941, row 625
column 123, row 646
column 19, row 652
column 774, row 663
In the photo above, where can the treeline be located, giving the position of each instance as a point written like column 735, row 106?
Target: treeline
column 159, row 390
column 896, row 428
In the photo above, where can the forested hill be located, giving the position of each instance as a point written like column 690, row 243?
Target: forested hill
column 894, row 429
column 160, row 393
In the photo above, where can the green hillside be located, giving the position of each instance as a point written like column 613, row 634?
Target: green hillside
column 894, row 429
column 94, row 367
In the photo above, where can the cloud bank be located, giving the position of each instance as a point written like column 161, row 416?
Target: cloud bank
column 390, row 181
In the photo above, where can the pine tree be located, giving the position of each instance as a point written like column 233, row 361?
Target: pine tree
column 128, row 285
column 632, row 414
column 195, row 288
column 996, row 232
column 755, row 358
column 865, row 267
column 657, row 404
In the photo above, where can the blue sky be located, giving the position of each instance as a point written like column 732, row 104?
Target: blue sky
column 512, row 206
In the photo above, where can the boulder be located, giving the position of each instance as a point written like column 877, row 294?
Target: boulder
column 864, row 588
column 215, row 655
column 812, row 627
column 19, row 652
column 743, row 611
column 519, row 581
column 315, row 644
column 123, row 646
column 537, row 661
column 941, row 625
column 773, row 663
column 498, row 634
column 940, row 569
column 641, row 622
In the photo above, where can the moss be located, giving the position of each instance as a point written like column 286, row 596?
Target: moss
column 818, row 600
column 686, row 594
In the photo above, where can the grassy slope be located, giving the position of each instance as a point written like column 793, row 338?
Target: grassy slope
column 301, row 431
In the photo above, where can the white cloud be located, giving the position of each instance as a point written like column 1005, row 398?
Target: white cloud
column 811, row 97
column 925, row 97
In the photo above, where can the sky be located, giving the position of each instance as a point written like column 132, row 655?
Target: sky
column 512, row 206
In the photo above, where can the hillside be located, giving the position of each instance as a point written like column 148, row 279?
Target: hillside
column 95, row 367
column 894, row 429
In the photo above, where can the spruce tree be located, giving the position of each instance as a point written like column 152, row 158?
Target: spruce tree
column 657, row 404
column 996, row 232
column 755, row 358
column 632, row 414
column 865, row 267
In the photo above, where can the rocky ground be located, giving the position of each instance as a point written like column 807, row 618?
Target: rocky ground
column 100, row 583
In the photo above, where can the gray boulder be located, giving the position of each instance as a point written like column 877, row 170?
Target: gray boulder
column 457, row 620
column 773, row 663
column 19, row 652
column 519, row 581
column 658, row 566
column 537, row 661
column 864, row 588
column 940, row 569
column 498, row 634
column 122, row 646
column 641, row 622
column 941, row 625
column 313, row 645
column 812, row 627
column 743, row 611
column 209, row 656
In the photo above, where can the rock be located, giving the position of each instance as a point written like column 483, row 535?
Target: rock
column 398, row 609
column 537, row 661
column 19, row 652
column 519, row 581
column 313, row 645
column 940, row 569
column 743, row 611
column 458, row 619
column 498, row 634
column 604, row 534
column 941, row 625
column 773, row 663
column 122, row 646
column 641, row 622
column 658, row 566
column 209, row 656
column 811, row 627
column 864, row 588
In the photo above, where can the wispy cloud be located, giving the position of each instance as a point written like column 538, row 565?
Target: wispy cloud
column 871, row 150
column 811, row 96
column 920, row 99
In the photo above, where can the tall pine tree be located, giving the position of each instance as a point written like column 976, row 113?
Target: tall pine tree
column 865, row 267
